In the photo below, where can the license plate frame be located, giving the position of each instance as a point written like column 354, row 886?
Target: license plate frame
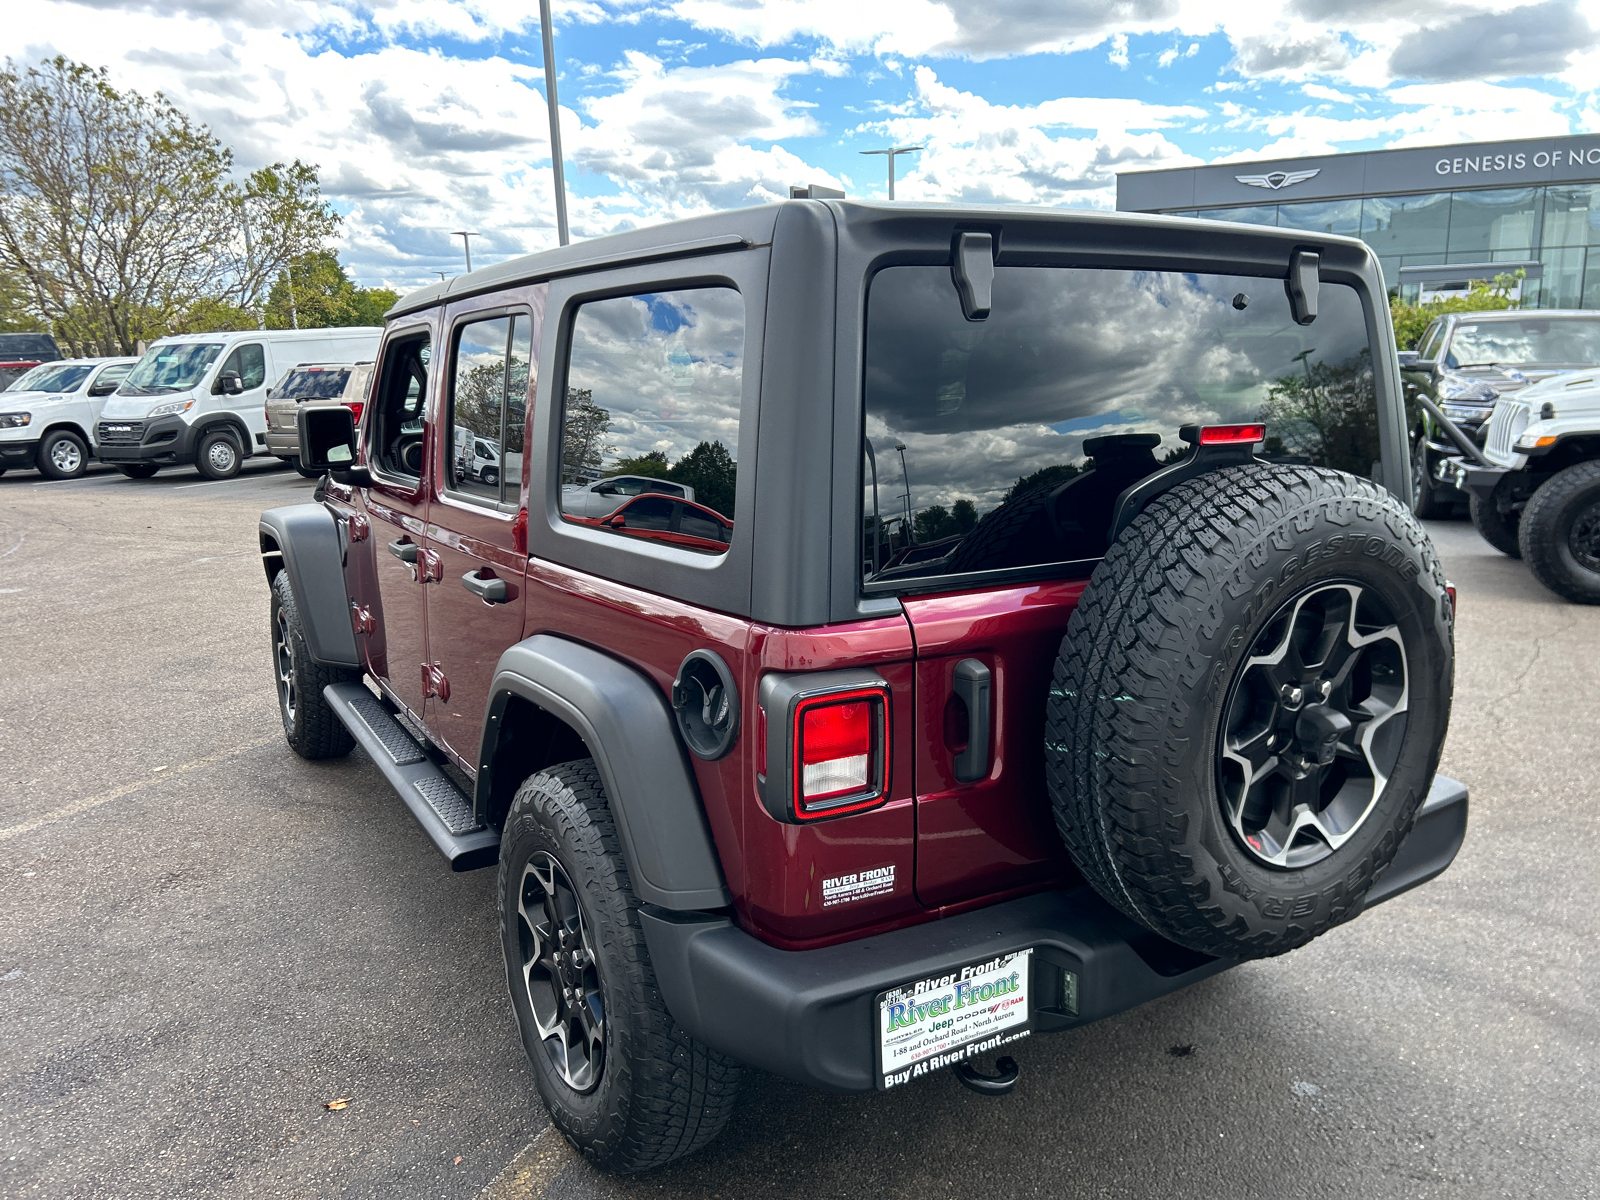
column 946, row 1019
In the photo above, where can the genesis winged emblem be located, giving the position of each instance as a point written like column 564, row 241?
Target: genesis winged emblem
column 1278, row 179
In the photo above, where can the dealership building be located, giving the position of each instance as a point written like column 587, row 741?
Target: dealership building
column 1437, row 216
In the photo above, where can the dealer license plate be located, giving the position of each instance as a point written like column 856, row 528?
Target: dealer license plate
column 934, row 1023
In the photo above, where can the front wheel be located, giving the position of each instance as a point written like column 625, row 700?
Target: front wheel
column 217, row 456
column 1497, row 528
column 1560, row 533
column 1426, row 504
column 312, row 729
column 1249, row 706
column 621, row 1080
column 63, row 455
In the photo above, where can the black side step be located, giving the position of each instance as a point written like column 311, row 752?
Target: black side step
column 435, row 801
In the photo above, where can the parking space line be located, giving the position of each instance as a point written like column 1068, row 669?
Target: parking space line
column 529, row 1175
column 127, row 789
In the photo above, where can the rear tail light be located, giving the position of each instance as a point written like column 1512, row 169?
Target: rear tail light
column 1450, row 590
column 1232, row 435
column 355, row 407
column 826, row 750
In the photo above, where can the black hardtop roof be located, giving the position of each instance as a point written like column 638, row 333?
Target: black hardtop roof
column 28, row 345
column 742, row 227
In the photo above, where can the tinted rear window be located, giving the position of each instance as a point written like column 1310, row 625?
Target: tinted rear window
column 1003, row 444
column 312, row 383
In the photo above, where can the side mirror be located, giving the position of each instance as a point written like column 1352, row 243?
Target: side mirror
column 618, row 522
column 328, row 440
column 232, row 385
column 103, row 389
column 1408, row 360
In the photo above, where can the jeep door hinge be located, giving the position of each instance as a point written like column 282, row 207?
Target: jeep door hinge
column 434, row 683
column 361, row 618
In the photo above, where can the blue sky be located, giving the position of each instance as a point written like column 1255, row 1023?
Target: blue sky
column 427, row 116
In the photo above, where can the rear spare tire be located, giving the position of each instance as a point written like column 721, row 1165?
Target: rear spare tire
column 1249, row 704
column 1560, row 533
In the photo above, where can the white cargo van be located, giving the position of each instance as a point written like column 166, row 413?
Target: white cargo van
column 200, row 398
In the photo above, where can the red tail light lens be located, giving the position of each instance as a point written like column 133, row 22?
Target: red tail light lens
column 1232, row 435
column 840, row 750
column 355, row 407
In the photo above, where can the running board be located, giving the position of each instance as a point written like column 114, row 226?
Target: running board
column 445, row 814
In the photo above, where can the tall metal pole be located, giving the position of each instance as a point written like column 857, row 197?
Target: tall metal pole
column 905, row 475
column 555, row 119
column 466, row 240
column 890, row 155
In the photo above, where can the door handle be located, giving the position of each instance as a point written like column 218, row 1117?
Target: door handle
column 490, row 591
column 973, row 686
column 405, row 551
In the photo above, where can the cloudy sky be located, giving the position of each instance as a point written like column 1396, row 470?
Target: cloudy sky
column 427, row 116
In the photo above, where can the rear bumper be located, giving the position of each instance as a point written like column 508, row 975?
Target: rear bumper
column 284, row 445
column 808, row 1015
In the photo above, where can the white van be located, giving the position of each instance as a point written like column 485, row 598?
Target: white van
column 201, row 398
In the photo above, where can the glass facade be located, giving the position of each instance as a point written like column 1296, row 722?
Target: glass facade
column 1559, row 225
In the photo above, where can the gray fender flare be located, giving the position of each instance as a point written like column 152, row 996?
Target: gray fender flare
column 307, row 538
column 624, row 720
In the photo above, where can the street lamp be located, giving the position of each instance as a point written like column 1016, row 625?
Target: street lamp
column 890, row 154
column 1304, row 359
column 905, row 475
column 466, row 240
column 555, row 118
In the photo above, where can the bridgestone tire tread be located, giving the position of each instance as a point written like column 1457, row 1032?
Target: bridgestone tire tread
column 1110, row 709
column 317, row 732
column 1540, row 538
column 1495, row 527
column 662, row 1095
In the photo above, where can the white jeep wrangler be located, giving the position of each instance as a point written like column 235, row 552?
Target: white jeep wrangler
column 1537, row 494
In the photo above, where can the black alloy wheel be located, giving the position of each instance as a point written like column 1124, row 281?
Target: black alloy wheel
column 560, row 974
column 1313, row 725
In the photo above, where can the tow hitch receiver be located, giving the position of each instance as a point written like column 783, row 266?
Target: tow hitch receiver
column 989, row 1085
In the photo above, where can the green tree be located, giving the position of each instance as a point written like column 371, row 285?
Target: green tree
column 652, row 463
column 583, row 437
column 965, row 515
column 313, row 292
column 1411, row 321
column 1049, row 476
column 710, row 470
column 1328, row 413
column 16, row 313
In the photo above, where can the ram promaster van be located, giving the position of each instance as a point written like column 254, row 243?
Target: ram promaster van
column 200, row 398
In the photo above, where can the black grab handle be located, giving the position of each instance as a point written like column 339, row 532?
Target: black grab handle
column 973, row 686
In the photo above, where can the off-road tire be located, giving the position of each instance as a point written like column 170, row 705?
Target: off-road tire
column 61, row 444
column 661, row 1094
column 138, row 470
column 1495, row 527
column 312, row 729
column 1545, row 533
column 214, row 441
column 1426, row 502
column 1151, row 655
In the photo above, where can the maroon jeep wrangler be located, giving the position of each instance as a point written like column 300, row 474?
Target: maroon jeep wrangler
column 1047, row 632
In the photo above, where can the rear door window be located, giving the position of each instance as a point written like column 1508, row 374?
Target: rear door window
column 653, row 391
column 1002, row 445
column 488, row 405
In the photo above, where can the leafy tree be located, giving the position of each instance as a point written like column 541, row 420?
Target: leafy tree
column 936, row 522
column 965, row 515
column 313, row 292
column 1328, row 413
column 1050, row 476
column 1411, row 321
column 583, row 444
column 16, row 316
column 118, row 215
column 652, row 463
column 479, row 395
column 710, row 470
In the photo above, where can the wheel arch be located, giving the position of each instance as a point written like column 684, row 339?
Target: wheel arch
column 553, row 700
column 233, row 424
column 70, row 426
column 303, row 541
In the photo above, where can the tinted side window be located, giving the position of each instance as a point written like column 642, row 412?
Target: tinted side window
column 648, row 513
column 394, row 437
column 249, row 362
column 1005, row 443
column 654, row 385
column 489, row 384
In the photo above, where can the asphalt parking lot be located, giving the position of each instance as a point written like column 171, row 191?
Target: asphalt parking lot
column 204, row 939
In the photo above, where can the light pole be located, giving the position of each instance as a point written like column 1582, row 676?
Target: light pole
column 905, row 475
column 889, row 154
column 1304, row 359
column 441, row 275
column 555, row 118
column 466, row 240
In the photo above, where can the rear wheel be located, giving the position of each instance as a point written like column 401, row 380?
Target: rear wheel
column 1426, row 502
column 1249, row 705
column 217, row 456
column 1560, row 533
column 309, row 724
column 490, row 476
column 1497, row 528
column 621, row 1080
column 138, row 470
column 63, row 455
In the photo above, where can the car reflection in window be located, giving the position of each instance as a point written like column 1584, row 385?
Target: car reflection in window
column 660, row 519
